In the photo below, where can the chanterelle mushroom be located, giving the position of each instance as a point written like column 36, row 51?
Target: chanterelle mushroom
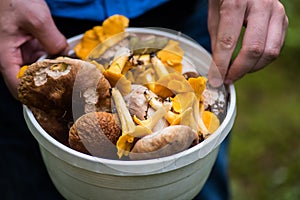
column 96, row 133
column 129, row 130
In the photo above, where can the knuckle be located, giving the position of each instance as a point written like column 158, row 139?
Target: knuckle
column 226, row 41
column 254, row 51
column 271, row 54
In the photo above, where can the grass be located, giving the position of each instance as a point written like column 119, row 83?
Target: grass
column 264, row 154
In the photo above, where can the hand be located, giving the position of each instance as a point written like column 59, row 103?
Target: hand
column 26, row 32
column 265, row 23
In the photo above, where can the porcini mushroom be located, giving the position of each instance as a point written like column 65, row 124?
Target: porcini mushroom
column 56, row 127
column 168, row 141
column 96, row 134
column 50, row 87
column 48, row 84
column 90, row 91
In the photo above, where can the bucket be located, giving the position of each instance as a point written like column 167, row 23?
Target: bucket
column 180, row 176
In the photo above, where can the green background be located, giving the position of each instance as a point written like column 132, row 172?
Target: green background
column 265, row 141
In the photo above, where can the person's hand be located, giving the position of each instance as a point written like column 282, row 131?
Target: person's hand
column 265, row 23
column 26, row 32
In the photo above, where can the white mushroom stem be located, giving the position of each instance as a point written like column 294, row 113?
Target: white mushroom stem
column 129, row 129
column 120, row 58
column 159, row 67
column 154, row 119
column 156, row 104
column 127, row 123
column 197, row 115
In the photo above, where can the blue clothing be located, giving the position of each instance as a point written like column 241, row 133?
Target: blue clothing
column 22, row 172
column 99, row 10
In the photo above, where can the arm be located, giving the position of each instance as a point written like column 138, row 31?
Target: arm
column 265, row 23
column 26, row 32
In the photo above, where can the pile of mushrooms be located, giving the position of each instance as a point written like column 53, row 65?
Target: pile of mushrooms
column 136, row 105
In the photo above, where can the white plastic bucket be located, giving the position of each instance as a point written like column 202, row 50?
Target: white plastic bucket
column 180, row 176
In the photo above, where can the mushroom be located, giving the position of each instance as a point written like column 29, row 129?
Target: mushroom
column 48, row 85
column 159, row 67
column 129, row 130
column 138, row 105
column 110, row 31
column 170, row 82
column 147, row 44
column 189, row 107
column 57, row 127
column 166, row 142
column 173, row 118
column 51, row 87
column 171, row 55
column 114, row 71
column 136, row 101
column 90, row 91
column 96, row 133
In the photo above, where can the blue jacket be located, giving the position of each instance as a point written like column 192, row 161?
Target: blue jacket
column 100, row 9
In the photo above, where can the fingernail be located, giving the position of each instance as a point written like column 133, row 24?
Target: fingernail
column 215, row 81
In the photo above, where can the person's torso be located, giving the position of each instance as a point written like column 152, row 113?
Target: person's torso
column 100, row 9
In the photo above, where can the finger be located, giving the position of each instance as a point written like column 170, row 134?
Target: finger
column 31, row 51
column 213, row 20
column 275, row 40
column 214, row 77
column 10, row 78
column 10, row 68
column 253, row 44
column 11, row 59
column 44, row 29
column 229, row 29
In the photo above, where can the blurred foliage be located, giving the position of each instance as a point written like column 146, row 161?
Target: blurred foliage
column 264, row 153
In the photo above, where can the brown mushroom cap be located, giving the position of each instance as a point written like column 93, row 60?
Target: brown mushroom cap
column 57, row 127
column 91, row 91
column 96, row 133
column 48, row 85
column 168, row 141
